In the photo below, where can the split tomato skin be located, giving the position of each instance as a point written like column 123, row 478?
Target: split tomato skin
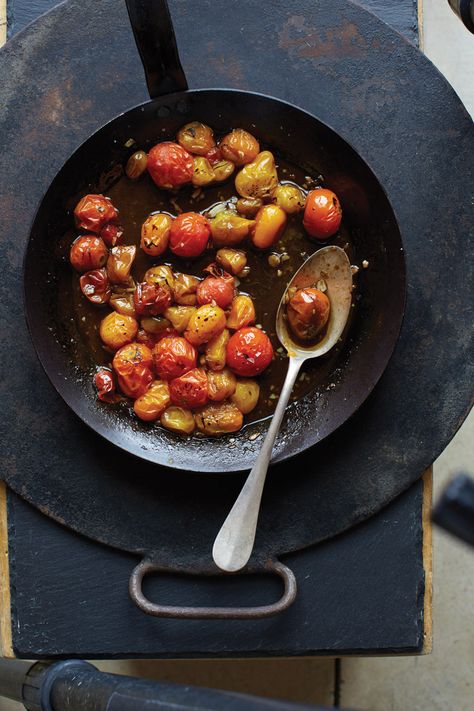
column 95, row 286
column 216, row 290
column 105, row 385
column 249, row 352
column 173, row 356
column 308, row 313
column 151, row 299
column 322, row 214
column 93, row 212
column 133, row 366
column 170, row 165
column 87, row 253
column 190, row 390
column 189, row 235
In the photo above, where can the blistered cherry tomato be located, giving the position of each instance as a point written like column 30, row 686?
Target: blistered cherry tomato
column 233, row 260
column 151, row 299
column 249, row 352
column 196, row 138
column 239, row 146
column 133, row 365
column 87, row 253
column 92, row 212
column 153, row 402
column 218, row 418
column 155, row 234
column 111, row 234
column 216, row 290
column 178, row 419
column 173, row 357
column 190, row 389
column 221, row 384
column 116, row 330
column 322, row 214
column 184, row 289
column 242, row 312
column 308, row 313
column 120, row 263
column 162, row 274
column 105, row 384
column 95, row 286
column 228, row 228
column 205, row 323
column 189, row 234
column 170, row 165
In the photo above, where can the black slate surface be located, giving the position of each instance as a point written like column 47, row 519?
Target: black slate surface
column 361, row 591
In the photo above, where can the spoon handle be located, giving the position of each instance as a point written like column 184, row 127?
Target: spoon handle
column 234, row 543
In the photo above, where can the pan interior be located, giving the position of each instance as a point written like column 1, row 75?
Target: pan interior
column 302, row 140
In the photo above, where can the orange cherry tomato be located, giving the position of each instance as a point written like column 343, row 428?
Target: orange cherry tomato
column 95, row 286
column 170, row 165
column 322, row 214
column 151, row 299
column 153, row 402
column 189, row 234
column 105, row 385
column 93, row 212
column 87, row 253
column 119, row 263
column 249, row 352
column 173, row 356
column 111, row 234
column 216, row 289
column 190, row 390
column 133, row 365
column 155, row 233
column 308, row 313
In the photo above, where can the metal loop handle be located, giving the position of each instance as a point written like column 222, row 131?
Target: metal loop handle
column 156, row 42
column 212, row 613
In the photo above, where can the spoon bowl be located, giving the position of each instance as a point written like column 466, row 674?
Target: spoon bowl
column 330, row 268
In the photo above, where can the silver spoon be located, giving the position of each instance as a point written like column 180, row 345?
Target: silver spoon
column 234, row 543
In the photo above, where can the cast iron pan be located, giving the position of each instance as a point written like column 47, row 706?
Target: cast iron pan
column 306, row 142
column 334, row 60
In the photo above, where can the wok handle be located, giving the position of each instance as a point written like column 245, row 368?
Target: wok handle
column 156, row 43
column 212, row 613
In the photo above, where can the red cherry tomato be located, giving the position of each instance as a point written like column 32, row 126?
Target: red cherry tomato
column 93, row 212
column 105, row 384
column 95, row 286
column 87, row 253
column 111, row 234
column 214, row 155
column 217, row 290
column 133, row 365
column 151, row 299
column 190, row 390
column 170, row 165
column 173, row 356
column 308, row 313
column 322, row 214
column 189, row 234
column 249, row 352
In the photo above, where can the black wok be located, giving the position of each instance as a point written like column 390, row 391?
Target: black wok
column 296, row 135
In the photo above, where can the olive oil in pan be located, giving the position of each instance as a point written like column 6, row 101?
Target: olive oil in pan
column 264, row 283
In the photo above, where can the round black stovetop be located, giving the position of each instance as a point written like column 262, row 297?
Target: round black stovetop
column 77, row 67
